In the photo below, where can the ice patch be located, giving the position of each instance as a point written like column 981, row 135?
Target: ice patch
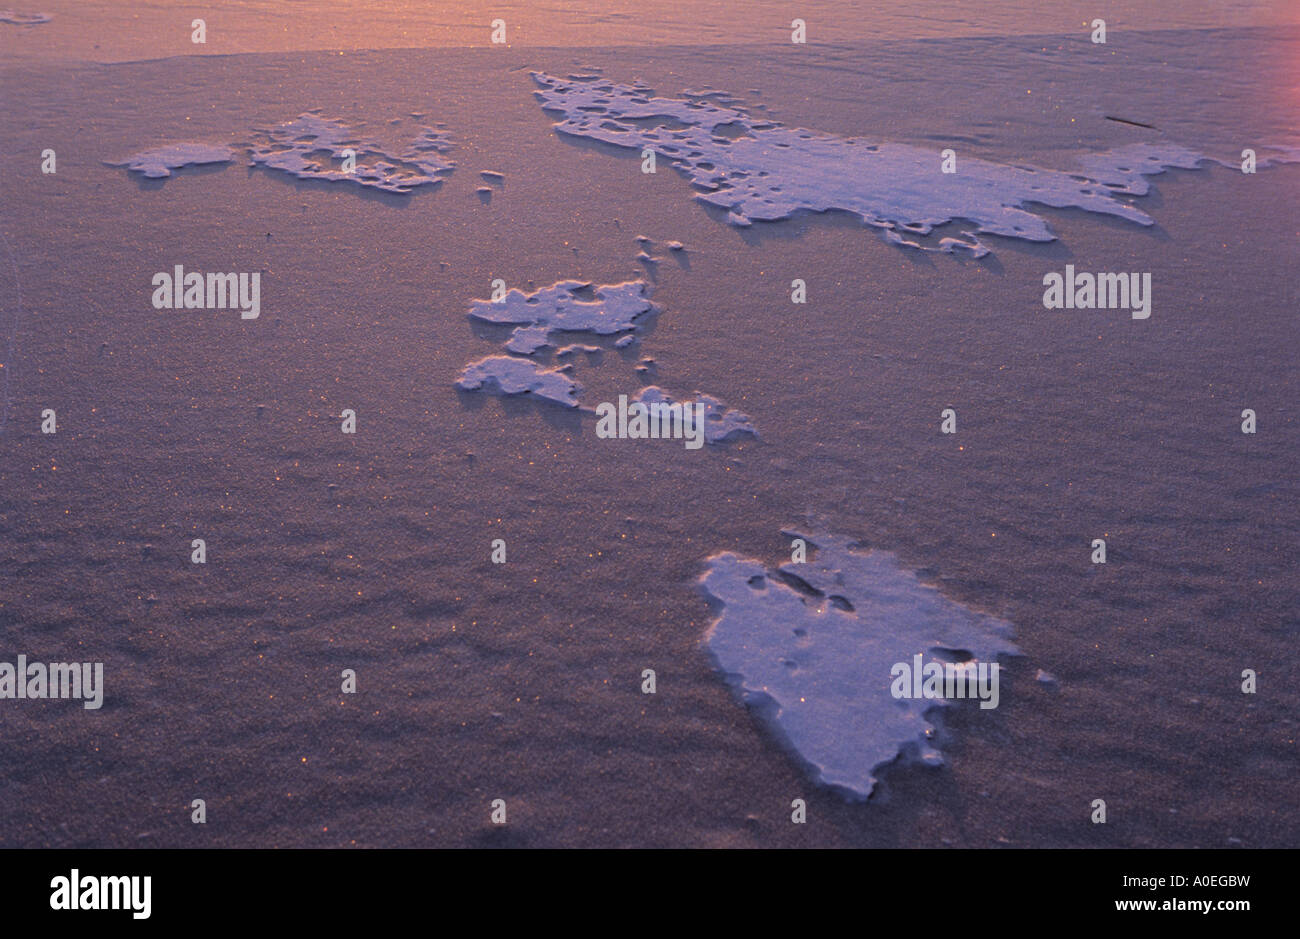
column 312, row 147
column 504, row 374
column 160, row 161
column 720, row 421
column 761, row 170
column 612, row 309
column 577, row 306
column 814, row 660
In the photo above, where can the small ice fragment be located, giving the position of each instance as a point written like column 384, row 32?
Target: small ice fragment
column 575, row 348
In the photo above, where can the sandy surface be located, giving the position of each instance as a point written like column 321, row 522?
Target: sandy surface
column 119, row 31
column 522, row 681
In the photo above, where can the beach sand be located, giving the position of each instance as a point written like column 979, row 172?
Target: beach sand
column 522, row 681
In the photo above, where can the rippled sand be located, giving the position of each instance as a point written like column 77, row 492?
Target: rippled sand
column 522, row 680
